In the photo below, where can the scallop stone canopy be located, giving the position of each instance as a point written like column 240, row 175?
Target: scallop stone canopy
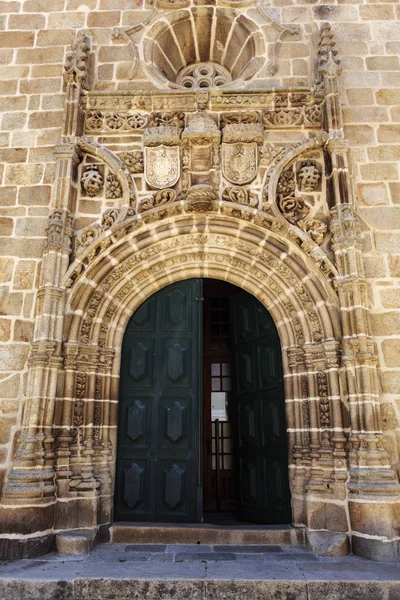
column 204, row 47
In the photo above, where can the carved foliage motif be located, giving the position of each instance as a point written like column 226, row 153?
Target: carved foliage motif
column 324, row 403
column 133, row 161
column 308, row 116
column 113, row 187
column 107, row 122
column 234, row 118
column 86, row 236
column 79, row 407
column 305, row 409
column 240, row 196
column 316, row 229
column 161, row 197
column 172, row 119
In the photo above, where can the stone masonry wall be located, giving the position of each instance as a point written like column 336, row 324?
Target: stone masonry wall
column 34, row 38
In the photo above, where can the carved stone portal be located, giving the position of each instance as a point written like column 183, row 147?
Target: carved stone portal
column 291, row 239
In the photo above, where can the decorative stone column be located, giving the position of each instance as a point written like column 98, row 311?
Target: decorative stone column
column 374, row 490
column 28, row 500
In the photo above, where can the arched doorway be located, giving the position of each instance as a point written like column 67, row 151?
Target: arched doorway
column 202, row 433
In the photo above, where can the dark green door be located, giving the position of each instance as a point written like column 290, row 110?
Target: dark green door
column 158, row 470
column 263, row 489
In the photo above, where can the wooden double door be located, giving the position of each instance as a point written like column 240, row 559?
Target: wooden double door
column 201, row 415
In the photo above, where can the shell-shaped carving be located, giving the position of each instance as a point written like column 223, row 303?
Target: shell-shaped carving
column 204, row 36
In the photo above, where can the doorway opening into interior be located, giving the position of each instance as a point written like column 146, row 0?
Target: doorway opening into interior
column 202, row 432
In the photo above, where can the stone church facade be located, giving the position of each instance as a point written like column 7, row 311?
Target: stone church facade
column 147, row 144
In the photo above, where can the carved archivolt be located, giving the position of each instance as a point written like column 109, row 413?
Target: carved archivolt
column 302, row 304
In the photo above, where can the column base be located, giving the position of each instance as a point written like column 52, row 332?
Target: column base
column 375, row 549
column 375, row 522
column 26, row 547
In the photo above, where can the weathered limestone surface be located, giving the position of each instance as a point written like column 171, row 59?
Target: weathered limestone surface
column 70, row 150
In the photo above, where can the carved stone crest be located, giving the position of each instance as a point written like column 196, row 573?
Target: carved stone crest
column 162, row 166
column 239, row 162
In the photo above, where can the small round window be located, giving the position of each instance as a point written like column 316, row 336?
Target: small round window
column 203, row 75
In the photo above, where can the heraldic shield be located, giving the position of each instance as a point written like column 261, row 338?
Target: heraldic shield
column 162, row 167
column 239, row 162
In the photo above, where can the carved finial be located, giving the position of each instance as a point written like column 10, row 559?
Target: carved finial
column 328, row 62
column 76, row 61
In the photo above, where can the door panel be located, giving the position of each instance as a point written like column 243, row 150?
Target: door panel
column 263, row 487
column 158, row 472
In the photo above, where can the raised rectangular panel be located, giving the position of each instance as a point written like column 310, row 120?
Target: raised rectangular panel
column 245, row 371
column 248, row 424
column 243, row 324
column 174, row 486
column 276, row 482
column 264, row 322
column 143, row 318
column 140, row 362
column 177, row 310
column 249, row 478
column 175, row 422
column 272, row 424
column 176, row 363
column 136, row 423
column 267, row 365
column 134, row 485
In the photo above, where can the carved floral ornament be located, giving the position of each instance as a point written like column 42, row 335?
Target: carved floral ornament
column 156, row 255
column 298, row 193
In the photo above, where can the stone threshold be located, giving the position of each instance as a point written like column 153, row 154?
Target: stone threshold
column 204, row 533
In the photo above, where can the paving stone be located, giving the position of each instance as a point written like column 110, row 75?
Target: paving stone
column 288, row 557
column 162, row 557
column 248, row 549
column 123, row 557
column 145, row 548
column 189, row 548
column 204, row 556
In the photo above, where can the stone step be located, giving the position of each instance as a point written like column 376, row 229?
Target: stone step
column 172, row 533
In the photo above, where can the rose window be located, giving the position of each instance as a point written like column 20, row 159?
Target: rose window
column 203, row 75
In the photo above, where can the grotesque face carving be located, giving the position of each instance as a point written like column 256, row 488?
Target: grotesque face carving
column 309, row 177
column 92, row 181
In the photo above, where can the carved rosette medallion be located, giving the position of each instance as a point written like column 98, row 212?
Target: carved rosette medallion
column 162, row 166
column 239, row 162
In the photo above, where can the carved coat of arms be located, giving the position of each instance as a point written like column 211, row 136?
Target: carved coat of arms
column 239, row 162
column 162, row 166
